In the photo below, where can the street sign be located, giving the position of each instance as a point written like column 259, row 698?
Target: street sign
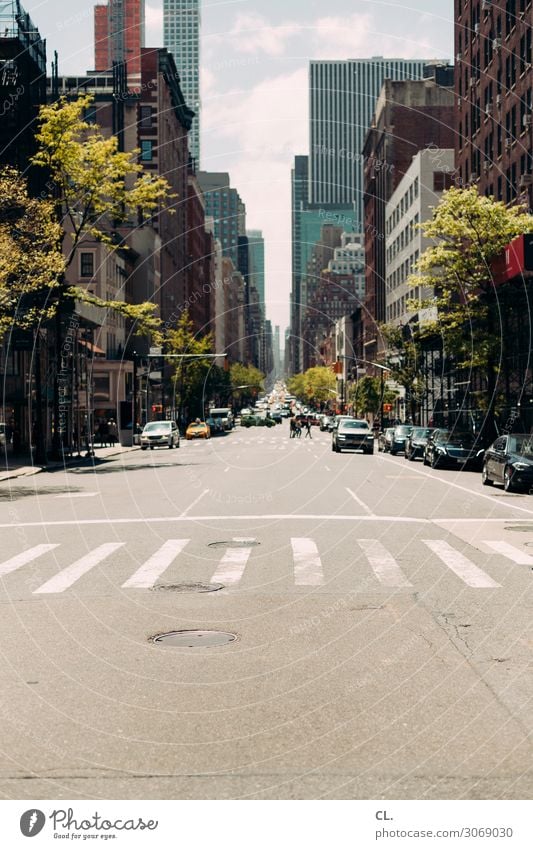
column 156, row 352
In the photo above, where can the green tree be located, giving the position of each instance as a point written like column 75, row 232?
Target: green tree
column 320, row 385
column 468, row 232
column 246, row 381
column 296, row 386
column 366, row 396
column 193, row 376
column 405, row 360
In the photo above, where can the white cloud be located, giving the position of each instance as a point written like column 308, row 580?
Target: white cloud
column 252, row 33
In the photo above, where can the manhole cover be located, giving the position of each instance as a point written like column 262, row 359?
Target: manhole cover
column 234, row 543
column 189, row 588
column 525, row 529
column 195, row 639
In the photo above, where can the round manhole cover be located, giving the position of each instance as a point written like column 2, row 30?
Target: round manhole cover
column 195, row 639
column 188, row 588
column 234, row 543
column 525, row 529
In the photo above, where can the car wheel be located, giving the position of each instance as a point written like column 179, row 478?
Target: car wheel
column 369, row 451
column 486, row 481
column 508, row 484
column 435, row 461
column 411, row 456
column 392, row 453
column 426, row 461
column 144, row 447
column 171, row 444
column 151, row 447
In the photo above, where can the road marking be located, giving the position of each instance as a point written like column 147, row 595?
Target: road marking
column 227, row 470
column 246, row 517
column 461, row 565
column 510, row 551
column 327, row 468
column 146, row 576
column 78, row 495
column 25, row 558
column 383, row 563
column 307, row 563
column 194, row 503
column 361, row 503
column 230, row 569
column 433, row 476
column 65, row 579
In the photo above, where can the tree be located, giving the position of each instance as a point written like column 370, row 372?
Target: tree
column 366, row 396
column 246, row 382
column 320, row 384
column 191, row 379
column 296, row 386
column 469, row 231
column 405, row 360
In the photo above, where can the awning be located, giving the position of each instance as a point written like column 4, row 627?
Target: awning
column 94, row 348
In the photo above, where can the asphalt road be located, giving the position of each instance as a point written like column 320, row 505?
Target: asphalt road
column 382, row 612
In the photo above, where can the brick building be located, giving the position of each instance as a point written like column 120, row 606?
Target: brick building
column 410, row 116
column 494, row 90
column 119, row 37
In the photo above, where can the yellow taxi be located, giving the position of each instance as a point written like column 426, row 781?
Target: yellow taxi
column 198, row 430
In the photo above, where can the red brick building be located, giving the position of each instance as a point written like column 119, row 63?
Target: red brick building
column 410, row 116
column 119, row 36
column 494, row 90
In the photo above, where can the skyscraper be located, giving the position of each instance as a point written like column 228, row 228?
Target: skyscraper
column 119, row 37
column 343, row 96
column 256, row 251
column 224, row 205
column 181, row 36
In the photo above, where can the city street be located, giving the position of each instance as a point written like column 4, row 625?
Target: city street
column 382, row 612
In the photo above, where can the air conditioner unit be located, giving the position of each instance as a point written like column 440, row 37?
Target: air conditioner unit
column 498, row 100
column 459, row 102
column 486, row 166
column 472, row 82
column 508, row 143
column 528, row 120
column 476, row 29
column 486, row 5
column 526, row 180
column 459, row 57
column 497, row 44
column 488, row 108
column 473, row 176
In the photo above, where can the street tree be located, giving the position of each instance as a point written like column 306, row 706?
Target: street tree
column 406, row 362
column 366, row 396
column 247, row 382
column 193, row 375
column 320, row 385
column 468, row 232
column 296, row 386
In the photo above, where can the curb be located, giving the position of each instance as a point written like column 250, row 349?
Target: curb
column 29, row 471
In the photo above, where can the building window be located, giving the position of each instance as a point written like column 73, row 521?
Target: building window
column 86, row 264
column 147, row 150
column 145, row 122
column 442, row 180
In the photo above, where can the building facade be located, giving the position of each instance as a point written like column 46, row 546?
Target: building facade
column 494, row 91
column 181, row 36
column 343, row 97
column 256, row 251
column 119, row 36
column 224, row 205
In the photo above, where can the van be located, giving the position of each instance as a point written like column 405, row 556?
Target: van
column 224, row 415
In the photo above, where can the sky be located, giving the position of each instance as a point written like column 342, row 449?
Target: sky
column 254, row 77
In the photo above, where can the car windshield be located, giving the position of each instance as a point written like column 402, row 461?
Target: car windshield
column 354, row 425
column 403, row 430
column 456, row 438
column 157, row 427
column 421, row 432
column 521, row 444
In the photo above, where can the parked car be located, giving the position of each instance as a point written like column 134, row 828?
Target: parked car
column 354, row 434
column 400, row 434
column 156, row 434
column 215, row 425
column 276, row 416
column 385, row 439
column 198, row 430
column 455, row 449
column 3, row 440
column 224, row 415
column 416, row 442
column 509, row 461
column 247, row 411
column 326, row 422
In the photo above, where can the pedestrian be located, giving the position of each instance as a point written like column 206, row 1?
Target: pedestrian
column 103, row 431
column 292, row 425
column 307, row 425
column 113, row 432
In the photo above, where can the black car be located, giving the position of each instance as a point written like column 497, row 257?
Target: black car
column 385, row 439
column 454, row 449
column 509, row 461
column 401, row 433
column 416, row 442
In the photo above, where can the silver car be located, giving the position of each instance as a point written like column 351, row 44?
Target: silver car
column 156, row 434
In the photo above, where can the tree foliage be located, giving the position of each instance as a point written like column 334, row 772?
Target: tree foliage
column 191, row 378
column 320, row 385
column 296, row 386
column 405, row 360
column 365, row 396
column 246, row 381
column 468, row 231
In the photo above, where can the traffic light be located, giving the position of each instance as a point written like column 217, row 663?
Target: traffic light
column 387, row 408
column 157, row 408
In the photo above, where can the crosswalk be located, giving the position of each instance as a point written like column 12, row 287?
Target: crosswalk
column 307, row 567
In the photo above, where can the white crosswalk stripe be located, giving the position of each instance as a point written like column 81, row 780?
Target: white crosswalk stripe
column 307, row 563
column 26, row 557
column 383, row 563
column 65, row 579
column 471, row 574
column 309, row 570
column 521, row 558
column 146, row 576
column 231, row 568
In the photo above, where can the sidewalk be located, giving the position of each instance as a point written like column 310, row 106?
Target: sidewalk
column 22, row 466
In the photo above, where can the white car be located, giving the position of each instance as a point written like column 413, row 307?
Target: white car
column 156, row 434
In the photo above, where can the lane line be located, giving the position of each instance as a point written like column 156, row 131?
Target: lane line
column 78, row 495
column 24, row 558
column 67, row 577
column 146, row 576
column 471, row 574
column 247, row 517
column 307, row 563
column 510, row 551
column 359, row 502
column 435, row 477
column 231, row 567
column 193, row 504
column 385, row 567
